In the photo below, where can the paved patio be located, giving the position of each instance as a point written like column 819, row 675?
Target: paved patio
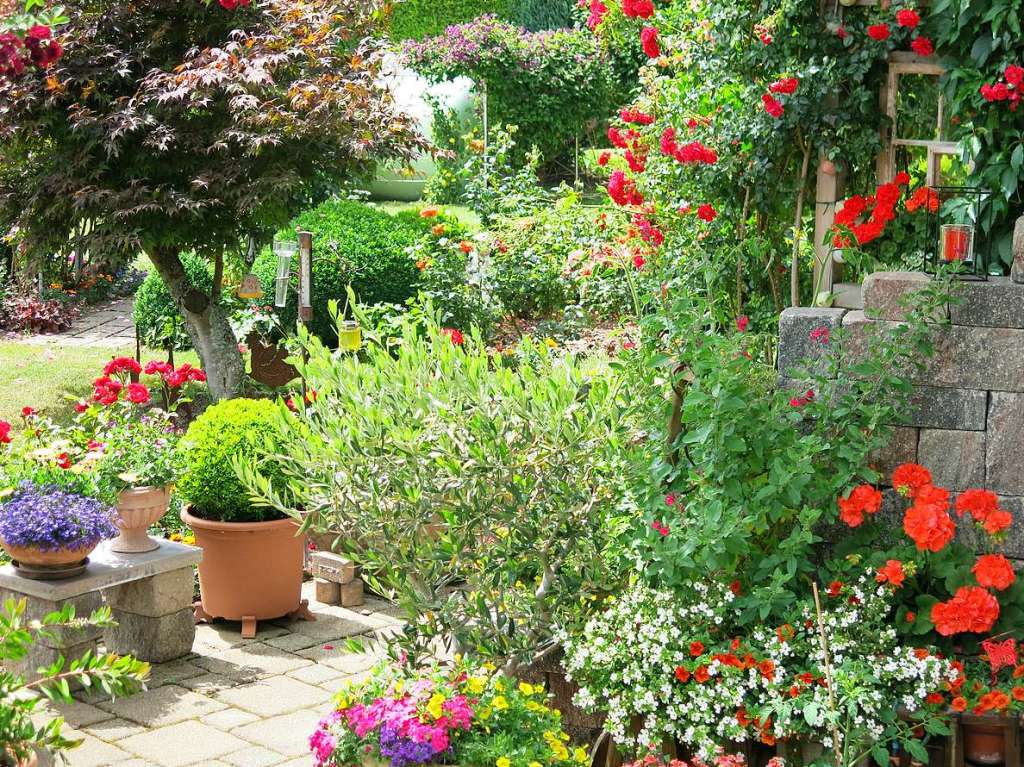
column 107, row 324
column 233, row 701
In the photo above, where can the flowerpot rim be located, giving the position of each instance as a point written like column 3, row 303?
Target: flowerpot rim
column 244, row 527
column 146, row 489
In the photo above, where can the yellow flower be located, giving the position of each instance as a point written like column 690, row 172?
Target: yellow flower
column 561, row 752
column 503, row 762
column 484, row 714
column 550, row 343
column 341, row 701
column 434, row 706
column 580, row 755
column 476, row 684
column 526, row 689
column 535, row 706
column 550, row 737
column 535, row 764
column 500, row 703
column 499, row 685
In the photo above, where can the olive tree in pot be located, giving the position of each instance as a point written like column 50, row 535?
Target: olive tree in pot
column 252, row 555
column 199, row 124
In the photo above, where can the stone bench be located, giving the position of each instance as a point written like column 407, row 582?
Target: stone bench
column 149, row 594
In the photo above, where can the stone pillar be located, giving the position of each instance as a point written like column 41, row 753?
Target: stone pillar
column 154, row 616
column 71, row 643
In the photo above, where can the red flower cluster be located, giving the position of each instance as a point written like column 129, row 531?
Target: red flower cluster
column 772, row 106
column 994, row 571
column 5, row 433
column 971, row 610
column 879, row 32
column 37, row 48
column 863, row 499
column 648, row 232
column 649, row 42
column 231, row 5
column 983, row 506
column 122, row 366
column 1010, row 90
column 922, row 46
column 820, row 335
column 688, row 154
column 455, row 335
column 763, row 34
column 909, row 478
column 879, row 208
column 923, row 197
column 806, row 399
column 638, row 9
column 908, row 18
column 786, row 85
column 662, row 529
column 635, row 117
column 597, row 11
column 929, row 526
column 623, row 191
column 892, row 573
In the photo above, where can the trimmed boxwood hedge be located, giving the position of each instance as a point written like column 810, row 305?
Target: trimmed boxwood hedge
column 153, row 303
column 353, row 243
column 419, row 19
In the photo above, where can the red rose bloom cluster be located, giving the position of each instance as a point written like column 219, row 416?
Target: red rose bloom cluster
column 864, row 499
column 879, row 32
column 971, row 610
column 866, row 217
column 1008, row 89
column 908, row 18
column 623, row 191
column 231, row 5
column 597, row 11
column 688, row 154
column 638, row 9
column 38, row 48
column 649, row 42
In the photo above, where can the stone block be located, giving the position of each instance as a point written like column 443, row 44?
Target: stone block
column 902, row 448
column 988, row 359
column 796, row 349
column 1004, row 451
column 327, row 592
column 956, row 458
column 997, row 303
column 155, row 639
column 159, row 595
column 936, row 407
column 352, row 593
column 332, row 567
column 72, row 643
column 886, row 294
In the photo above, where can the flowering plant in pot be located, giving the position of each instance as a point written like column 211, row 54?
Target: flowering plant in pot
column 252, row 555
column 49, row 531
column 462, row 714
column 130, row 442
column 21, row 734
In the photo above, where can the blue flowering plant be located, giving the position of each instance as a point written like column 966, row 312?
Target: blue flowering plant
column 51, row 518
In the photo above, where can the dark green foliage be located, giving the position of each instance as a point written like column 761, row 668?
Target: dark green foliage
column 353, row 244
column 156, row 317
column 240, row 430
column 417, row 19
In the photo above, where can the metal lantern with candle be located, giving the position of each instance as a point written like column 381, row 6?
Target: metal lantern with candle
column 958, row 235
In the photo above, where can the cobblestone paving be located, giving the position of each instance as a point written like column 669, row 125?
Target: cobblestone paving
column 105, row 324
column 233, row 702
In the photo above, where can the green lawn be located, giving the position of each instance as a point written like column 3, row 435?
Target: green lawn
column 49, row 378
column 468, row 218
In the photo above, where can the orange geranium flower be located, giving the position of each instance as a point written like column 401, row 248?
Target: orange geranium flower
column 929, row 526
column 892, row 573
column 994, row 571
column 959, row 703
column 908, row 478
column 971, row 610
column 864, row 499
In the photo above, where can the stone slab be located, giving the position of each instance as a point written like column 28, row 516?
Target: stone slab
column 937, row 407
column 156, row 640
column 956, row 459
column 162, row 707
column 183, row 744
column 1004, row 450
column 332, row 567
column 902, row 448
column 253, row 661
column 161, row 594
column 287, row 734
column 255, row 756
column 996, row 303
column 987, row 359
column 229, row 719
column 886, row 293
column 274, row 696
column 795, row 344
column 106, row 569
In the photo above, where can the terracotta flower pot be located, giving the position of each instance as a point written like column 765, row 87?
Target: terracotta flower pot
column 6, row 757
column 249, row 569
column 137, row 509
column 37, row 564
column 984, row 743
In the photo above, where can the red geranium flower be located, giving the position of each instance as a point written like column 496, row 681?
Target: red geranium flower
column 971, row 610
column 701, row 674
column 929, row 526
column 977, row 502
column 835, row 588
column 892, row 573
column 994, row 571
column 997, row 522
column 864, row 499
column 696, row 649
column 908, row 478
column 137, row 393
column 879, row 32
column 455, row 336
column 682, row 674
column 767, row 669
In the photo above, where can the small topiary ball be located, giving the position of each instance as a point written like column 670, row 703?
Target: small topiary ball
column 242, row 429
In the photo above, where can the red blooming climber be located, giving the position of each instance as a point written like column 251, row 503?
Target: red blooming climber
column 864, row 499
column 786, row 85
column 597, row 11
column 879, row 32
column 622, row 190
column 649, row 42
column 772, row 106
column 638, row 9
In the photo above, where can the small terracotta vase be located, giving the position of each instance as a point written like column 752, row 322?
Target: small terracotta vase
column 984, row 744
column 249, row 569
column 37, row 564
column 137, row 509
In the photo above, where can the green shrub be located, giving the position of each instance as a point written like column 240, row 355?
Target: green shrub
column 355, row 244
column 417, row 19
column 242, row 430
column 537, row 15
column 156, row 317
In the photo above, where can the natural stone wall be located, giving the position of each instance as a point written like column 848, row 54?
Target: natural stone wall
column 967, row 417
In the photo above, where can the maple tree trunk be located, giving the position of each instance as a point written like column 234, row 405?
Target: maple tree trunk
column 207, row 325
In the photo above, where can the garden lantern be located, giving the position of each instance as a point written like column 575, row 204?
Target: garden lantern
column 250, row 287
column 953, row 235
column 350, row 336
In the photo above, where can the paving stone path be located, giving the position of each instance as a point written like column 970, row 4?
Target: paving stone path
column 233, row 702
column 107, row 324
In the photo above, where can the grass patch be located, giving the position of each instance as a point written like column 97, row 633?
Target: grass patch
column 50, row 378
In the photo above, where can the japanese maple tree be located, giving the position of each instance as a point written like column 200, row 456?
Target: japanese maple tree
column 177, row 125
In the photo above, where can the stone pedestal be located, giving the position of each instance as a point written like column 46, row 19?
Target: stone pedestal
column 71, row 643
column 154, row 617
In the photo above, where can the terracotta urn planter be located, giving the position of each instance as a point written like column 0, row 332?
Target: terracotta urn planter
column 137, row 509
column 250, row 571
column 39, row 565
column 984, row 743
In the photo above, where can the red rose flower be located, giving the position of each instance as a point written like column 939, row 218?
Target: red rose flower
column 929, row 526
column 971, row 610
column 786, row 85
column 908, row 478
column 649, row 42
column 879, row 32
column 922, row 46
column 707, row 213
column 5, row 433
column 597, row 12
column 994, row 571
column 1014, row 75
column 772, row 106
column 603, row 158
column 122, row 365
column 639, row 261
column 28, row 412
column 638, row 9
column 455, row 335
column 81, row 407
column 892, row 573
column 137, row 393
column 908, row 18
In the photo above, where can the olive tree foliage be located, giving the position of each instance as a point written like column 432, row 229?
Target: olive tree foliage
column 177, row 125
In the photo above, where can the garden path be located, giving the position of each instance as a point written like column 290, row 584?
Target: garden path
column 107, row 324
column 233, row 701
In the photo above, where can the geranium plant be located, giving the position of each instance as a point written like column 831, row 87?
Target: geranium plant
column 462, row 714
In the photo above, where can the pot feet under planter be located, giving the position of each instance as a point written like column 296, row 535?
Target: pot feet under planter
column 250, row 623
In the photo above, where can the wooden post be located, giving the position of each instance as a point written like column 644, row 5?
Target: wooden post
column 824, row 216
column 305, row 276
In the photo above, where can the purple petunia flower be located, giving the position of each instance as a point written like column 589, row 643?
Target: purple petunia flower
column 51, row 519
